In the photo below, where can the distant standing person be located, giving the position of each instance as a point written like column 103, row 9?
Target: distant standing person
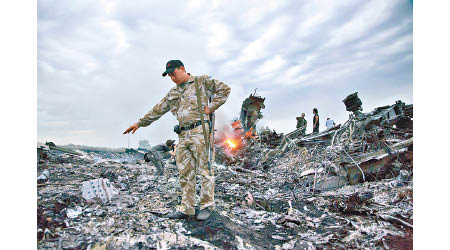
column 316, row 121
column 330, row 123
column 301, row 122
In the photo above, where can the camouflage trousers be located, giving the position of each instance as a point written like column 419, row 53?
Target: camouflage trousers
column 192, row 159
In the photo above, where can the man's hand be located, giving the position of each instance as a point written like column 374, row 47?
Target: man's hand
column 207, row 111
column 131, row 129
column 174, row 152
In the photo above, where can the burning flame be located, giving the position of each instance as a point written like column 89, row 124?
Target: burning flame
column 230, row 143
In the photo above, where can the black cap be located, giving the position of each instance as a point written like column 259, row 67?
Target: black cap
column 170, row 143
column 171, row 66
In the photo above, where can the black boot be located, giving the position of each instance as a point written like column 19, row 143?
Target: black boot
column 178, row 215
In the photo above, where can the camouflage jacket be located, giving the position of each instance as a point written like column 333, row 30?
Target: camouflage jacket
column 301, row 122
column 182, row 101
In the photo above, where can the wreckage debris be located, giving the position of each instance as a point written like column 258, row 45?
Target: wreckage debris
column 52, row 146
column 98, row 188
column 353, row 103
column 251, row 111
column 275, row 192
column 283, row 213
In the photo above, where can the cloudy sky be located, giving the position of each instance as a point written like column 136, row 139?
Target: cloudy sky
column 99, row 63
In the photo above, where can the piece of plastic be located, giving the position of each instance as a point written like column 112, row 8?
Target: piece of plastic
column 98, row 188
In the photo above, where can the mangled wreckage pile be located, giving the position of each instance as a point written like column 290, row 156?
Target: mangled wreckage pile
column 347, row 187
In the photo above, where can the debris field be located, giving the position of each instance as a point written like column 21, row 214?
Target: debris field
column 349, row 187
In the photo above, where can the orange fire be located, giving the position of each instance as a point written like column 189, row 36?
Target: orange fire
column 231, row 143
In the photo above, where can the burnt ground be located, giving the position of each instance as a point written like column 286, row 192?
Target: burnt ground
column 350, row 216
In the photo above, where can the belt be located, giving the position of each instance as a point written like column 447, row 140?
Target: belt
column 193, row 125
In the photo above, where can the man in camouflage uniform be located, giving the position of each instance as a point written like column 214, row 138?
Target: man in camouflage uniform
column 301, row 122
column 192, row 152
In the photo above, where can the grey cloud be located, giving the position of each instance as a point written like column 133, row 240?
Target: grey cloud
column 100, row 63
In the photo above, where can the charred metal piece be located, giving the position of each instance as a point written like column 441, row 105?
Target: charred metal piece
column 353, row 103
column 251, row 111
column 52, row 146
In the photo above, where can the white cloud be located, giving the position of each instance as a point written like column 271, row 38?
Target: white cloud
column 219, row 37
column 380, row 38
column 258, row 10
column 373, row 13
column 100, row 63
column 259, row 48
column 108, row 6
column 402, row 44
column 271, row 65
column 298, row 73
column 117, row 34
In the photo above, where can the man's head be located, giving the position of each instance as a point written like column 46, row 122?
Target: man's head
column 303, row 115
column 175, row 69
column 315, row 111
column 170, row 143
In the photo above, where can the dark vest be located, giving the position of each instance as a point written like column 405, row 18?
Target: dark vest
column 317, row 120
